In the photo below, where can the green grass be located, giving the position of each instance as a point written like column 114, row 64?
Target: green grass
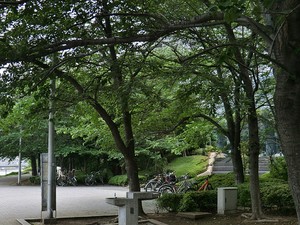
column 192, row 165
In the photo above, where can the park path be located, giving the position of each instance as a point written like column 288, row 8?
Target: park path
column 19, row 202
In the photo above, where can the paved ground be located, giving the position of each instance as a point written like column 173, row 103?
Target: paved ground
column 25, row 201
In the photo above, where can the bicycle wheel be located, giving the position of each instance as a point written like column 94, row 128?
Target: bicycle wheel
column 150, row 186
column 90, row 181
column 60, row 182
column 73, row 181
column 166, row 189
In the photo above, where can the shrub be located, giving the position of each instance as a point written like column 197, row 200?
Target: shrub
column 199, row 201
column 278, row 168
column 276, row 195
column 169, row 202
column 80, row 177
column 120, row 180
column 222, row 180
column 188, row 203
column 244, row 198
column 191, row 201
column 35, row 179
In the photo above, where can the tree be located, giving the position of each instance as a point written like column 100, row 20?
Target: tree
column 285, row 48
column 138, row 22
column 22, row 129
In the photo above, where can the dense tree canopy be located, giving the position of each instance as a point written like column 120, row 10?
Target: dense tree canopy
column 155, row 69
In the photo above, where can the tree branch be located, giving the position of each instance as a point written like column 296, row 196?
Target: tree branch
column 13, row 3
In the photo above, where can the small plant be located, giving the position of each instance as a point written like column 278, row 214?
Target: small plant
column 35, row 179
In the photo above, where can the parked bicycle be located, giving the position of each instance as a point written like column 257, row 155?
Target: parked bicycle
column 185, row 186
column 159, row 180
column 65, row 178
column 205, row 186
column 92, row 178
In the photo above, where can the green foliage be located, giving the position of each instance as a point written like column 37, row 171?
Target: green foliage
column 120, row 180
column 222, row 180
column 188, row 203
column 80, row 177
column 276, row 195
column 216, row 180
column 35, row 180
column 244, row 198
column 191, row 201
column 192, row 165
column 170, row 202
column 199, row 201
column 278, row 168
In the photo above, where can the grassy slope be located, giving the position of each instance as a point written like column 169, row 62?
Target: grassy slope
column 192, row 165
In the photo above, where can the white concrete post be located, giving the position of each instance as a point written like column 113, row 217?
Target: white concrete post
column 227, row 200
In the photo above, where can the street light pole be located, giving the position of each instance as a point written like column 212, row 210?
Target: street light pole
column 51, row 162
column 20, row 158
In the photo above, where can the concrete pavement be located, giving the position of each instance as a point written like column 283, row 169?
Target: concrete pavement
column 19, row 202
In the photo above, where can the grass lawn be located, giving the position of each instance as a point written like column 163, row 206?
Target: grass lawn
column 192, row 165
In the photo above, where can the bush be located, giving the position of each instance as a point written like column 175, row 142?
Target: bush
column 120, row 180
column 244, row 198
column 191, row 201
column 278, row 168
column 80, row 177
column 222, row 180
column 188, row 203
column 199, row 201
column 35, row 179
column 276, row 195
column 170, row 202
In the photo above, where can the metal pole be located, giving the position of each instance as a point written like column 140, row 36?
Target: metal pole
column 20, row 159
column 50, row 151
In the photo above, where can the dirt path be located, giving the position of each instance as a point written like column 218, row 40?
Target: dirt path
column 173, row 219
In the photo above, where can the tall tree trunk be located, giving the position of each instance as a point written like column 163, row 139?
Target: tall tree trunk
column 287, row 95
column 234, row 128
column 34, row 168
column 132, row 173
column 236, row 135
column 254, row 153
column 252, row 128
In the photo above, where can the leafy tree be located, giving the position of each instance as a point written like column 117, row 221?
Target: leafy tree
column 85, row 25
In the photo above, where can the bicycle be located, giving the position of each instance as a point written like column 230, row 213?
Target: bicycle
column 91, row 179
column 159, row 180
column 153, row 184
column 65, row 180
column 184, row 186
column 71, row 179
column 205, row 186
